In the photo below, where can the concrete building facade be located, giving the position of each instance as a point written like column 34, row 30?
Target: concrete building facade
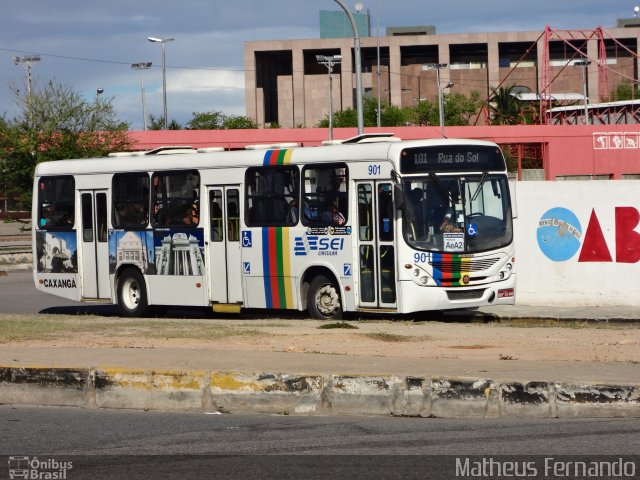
column 285, row 85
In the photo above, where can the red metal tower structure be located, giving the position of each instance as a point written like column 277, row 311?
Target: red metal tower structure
column 576, row 41
column 569, row 38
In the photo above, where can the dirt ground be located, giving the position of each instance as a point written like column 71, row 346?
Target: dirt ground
column 504, row 340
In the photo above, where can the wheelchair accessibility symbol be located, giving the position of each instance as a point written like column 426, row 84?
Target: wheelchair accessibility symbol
column 246, row 238
column 472, row 230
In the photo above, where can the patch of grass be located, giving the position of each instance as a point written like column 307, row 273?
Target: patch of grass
column 338, row 325
column 394, row 337
column 16, row 328
column 559, row 323
column 202, row 332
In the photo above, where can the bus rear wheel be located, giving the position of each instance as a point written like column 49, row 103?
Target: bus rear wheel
column 132, row 294
column 324, row 299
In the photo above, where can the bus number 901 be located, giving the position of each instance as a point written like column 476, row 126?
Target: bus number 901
column 374, row 169
column 419, row 257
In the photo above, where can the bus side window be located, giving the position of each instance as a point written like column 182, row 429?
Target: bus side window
column 176, row 199
column 56, row 203
column 233, row 213
column 325, row 195
column 215, row 202
column 272, row 195
column 130, row 197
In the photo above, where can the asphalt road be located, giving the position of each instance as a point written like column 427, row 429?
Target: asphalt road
column 112, row 444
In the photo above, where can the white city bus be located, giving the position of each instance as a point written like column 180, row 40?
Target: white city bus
column 384, row 225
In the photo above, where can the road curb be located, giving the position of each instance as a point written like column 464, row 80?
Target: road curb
column 276, row 393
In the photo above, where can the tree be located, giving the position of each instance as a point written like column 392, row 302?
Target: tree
column 504, row 107
column 390, row 115
column 215, row 120
column 625, row 91
column 158, row 123
column 235, row 122
column 206, row 121
column 56, row 123
column 425, row 113
column 460, row 109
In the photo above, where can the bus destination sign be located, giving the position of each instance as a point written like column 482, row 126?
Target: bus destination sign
column 453, row 158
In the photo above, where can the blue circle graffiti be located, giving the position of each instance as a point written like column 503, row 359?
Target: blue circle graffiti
column 559, row 233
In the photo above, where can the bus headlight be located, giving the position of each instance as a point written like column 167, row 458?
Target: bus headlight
column 420, row 276
column 505, row 272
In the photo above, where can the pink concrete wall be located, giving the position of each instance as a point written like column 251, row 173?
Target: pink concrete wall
column 612, row 150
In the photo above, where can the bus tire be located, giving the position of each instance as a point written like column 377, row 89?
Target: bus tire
column 132, row 294
column 323, row 300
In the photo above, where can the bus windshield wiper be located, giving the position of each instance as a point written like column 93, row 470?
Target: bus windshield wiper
column 442, row 190
column 477, row 192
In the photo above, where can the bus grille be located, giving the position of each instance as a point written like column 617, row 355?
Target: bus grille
column 475, row 265
column 465, row 294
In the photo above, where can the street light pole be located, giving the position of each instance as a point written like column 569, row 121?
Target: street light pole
column 142, row 66
column 437, row 67
column 330, row 61
column 163, row 42
column 584, row 64
column 356, row 41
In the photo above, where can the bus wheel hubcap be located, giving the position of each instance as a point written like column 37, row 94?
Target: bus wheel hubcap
column 327, row 300
column 131, row 294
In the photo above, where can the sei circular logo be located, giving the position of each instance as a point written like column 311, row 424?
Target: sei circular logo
column 559, row 234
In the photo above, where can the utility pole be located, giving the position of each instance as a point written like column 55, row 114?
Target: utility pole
column 27, row 61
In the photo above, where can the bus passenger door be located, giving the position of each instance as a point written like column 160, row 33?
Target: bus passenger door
column 376, row 252
column 94, row 252
column 225, row 279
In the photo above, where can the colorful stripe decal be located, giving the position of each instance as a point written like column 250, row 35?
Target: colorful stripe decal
column 450, row 269
column 277, row 157
column 276, row 267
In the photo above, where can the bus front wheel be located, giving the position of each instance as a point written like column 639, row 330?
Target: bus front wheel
column 132, row 294
column 324, row 299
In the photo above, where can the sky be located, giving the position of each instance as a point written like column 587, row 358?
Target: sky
column 89, row 45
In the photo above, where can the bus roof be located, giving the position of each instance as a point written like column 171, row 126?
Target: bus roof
column 366, row 152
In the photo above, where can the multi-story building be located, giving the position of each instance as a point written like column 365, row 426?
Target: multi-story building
column 285, row 84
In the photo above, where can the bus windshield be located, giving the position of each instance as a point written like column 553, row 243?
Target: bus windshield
column 463, row 214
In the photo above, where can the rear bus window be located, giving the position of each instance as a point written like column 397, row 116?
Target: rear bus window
column 56, row 203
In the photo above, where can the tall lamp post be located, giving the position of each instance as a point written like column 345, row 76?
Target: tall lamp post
column 142, row 66
column 437, row 67
column 330, row 61
column 163, row 42
column 356, row 42
column 584, row 64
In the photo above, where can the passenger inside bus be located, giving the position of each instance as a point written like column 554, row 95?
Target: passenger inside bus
column 191, row 216
column 446, row 226
column 332, row 215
